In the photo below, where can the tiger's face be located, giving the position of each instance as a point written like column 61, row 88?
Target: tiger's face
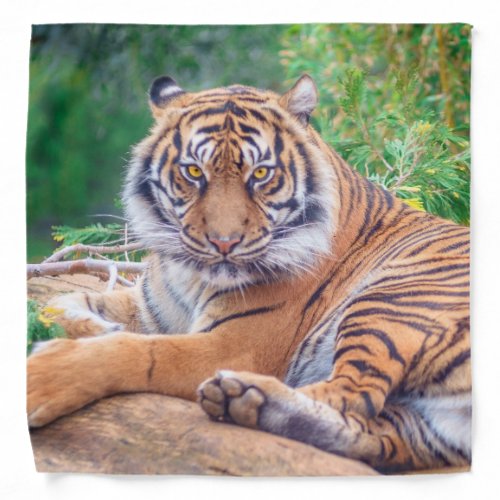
column 231, row 184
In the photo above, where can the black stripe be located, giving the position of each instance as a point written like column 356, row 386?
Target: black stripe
column 455, row 246
column 222, row 110
column 367, row 311
column 143, row 189
column 244, row 314
column 219, row 293
column 251, row 99
column 199, row 145
column 229, row 123
column 247, row 129
column 368, row 369
column 277, row 187
column 455, row 363
column 309, row 172
column 257, row 115
column 370, row 408
column 423, row 235
column 435, row 270
column 307, row 341
column 252, row 252
column 185, row 231
column 438, row 240
column 178, row 299
column 177, row 140
column 229, row 106
column 151, row 306
column 278, row 145
column 340, row 352
column 210, row 129
column 163, row 158
column 369, row 191
column 383, row 337
column 177, row 201
column 250, row 140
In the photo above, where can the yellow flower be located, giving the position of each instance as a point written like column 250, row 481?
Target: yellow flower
column 44, row 320
column 53, row 311
column 430, row 171
column 423, row 127
column 415, row 203
column 47, row 315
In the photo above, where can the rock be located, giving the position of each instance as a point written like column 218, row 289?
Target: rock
column 155, row 434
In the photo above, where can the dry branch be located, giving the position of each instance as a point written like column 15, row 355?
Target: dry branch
column 113, row 277
column 79, row 247
column 85, row 266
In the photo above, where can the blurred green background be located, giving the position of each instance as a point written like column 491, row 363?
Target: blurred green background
column 394, row 103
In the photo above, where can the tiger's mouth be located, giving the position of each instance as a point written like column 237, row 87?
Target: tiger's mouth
column 234, row 269
column 280, row 253
column 240, row 258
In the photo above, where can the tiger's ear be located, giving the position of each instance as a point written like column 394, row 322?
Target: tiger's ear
column 163, row 90
column 301, row 99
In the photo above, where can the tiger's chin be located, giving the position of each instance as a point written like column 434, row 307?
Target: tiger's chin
column 228, row 275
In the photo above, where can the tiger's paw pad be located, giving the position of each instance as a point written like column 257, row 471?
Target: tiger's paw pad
column 231, row 397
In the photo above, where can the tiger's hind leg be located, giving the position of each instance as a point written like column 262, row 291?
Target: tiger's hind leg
column 393, row 441
column 83, row 314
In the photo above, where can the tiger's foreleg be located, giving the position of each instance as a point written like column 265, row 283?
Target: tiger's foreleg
column 87, row 314
column 393, row 441
column 66, row 374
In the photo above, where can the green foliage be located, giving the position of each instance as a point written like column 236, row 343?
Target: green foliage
column 95, row 234
column 395, row 104
column 40, row 326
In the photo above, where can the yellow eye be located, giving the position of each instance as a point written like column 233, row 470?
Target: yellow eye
column 194, row 171
column 260, row 172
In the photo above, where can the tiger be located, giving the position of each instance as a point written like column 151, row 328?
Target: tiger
column 283, row 291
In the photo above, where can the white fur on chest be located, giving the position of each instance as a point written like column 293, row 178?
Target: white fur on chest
column 173, row 297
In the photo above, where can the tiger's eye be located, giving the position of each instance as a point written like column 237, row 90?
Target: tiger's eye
column 194, row 171
column 260, row 173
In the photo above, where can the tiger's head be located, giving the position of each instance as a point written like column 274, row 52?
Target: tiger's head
column 232, row 183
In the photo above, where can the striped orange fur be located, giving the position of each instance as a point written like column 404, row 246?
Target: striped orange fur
column 306, row 301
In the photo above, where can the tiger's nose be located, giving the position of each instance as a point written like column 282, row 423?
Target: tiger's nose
column 224, row 244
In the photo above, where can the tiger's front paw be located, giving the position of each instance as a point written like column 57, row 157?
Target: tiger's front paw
column 80, row 316
column 242, row 398
column 60, row 380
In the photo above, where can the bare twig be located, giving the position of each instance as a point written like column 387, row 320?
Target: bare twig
column 126, row 241
column 113, row 276
column 124, row 282
column 79, row 247
column 85, row 266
